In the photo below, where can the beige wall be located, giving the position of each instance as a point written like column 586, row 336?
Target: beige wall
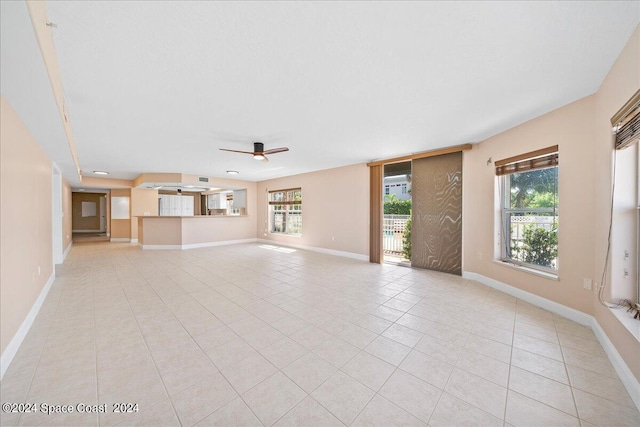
column 160, row 231
column 621, row 82
column 194, row 230
column 25, row 222
column 106, row 183
column 583, row 132
column 66, row 215
column 143, row 203
column 157, row 177
column 335, row 209
column 120, row 229
column 569, row 128
column 85, row 223
column 206, row 229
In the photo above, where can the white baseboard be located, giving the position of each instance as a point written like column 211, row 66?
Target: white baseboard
column 14, row 345
column 196, row 245
column 344, row 254
column 134, row 241
column 87, row 231
column 626, row 376
column 67, row 250
column 564, row 311
column 120, row 239
column 160, row 247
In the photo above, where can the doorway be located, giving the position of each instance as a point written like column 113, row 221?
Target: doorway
column 103, row 214
column 422, row 213
column 396, row 217
column 89, row 216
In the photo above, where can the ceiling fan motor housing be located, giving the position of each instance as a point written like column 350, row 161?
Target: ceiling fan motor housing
column 258, row 147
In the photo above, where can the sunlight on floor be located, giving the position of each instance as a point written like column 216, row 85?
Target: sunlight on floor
column 278, row 248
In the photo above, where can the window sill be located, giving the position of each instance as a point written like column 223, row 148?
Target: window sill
column 528, row 270
column 627, row 320
column 285, row 234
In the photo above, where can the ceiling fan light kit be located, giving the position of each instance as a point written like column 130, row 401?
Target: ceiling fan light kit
column 259, row 152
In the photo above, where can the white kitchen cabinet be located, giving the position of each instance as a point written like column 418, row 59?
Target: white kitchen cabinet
column 212, row 201
column 171, row 205
column 217, row 201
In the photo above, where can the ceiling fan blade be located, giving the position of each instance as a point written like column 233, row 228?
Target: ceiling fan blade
column 237, row 151
column 265, row 159
column 276, row 150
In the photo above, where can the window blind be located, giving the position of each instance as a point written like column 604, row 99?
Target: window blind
column 626, row 123
column 538, row 159
column 287, row 197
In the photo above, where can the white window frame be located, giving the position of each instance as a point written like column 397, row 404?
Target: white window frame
column 289, row 208
column 506, row 211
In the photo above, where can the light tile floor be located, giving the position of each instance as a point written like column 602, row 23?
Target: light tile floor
column 259, row 335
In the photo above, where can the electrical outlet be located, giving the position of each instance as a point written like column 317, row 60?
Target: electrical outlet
column 587, row 284
column 333, row 238
column 480, row 256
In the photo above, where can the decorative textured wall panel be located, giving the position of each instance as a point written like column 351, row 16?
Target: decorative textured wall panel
column 436, row 238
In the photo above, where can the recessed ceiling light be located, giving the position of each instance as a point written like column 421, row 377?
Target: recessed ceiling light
column 101, row 173
column 233, row 172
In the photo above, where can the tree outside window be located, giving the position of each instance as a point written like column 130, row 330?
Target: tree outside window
column 285, row 211
column 530, row 218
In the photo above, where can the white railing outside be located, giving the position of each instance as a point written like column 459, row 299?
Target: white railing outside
column 392, row 231
column 519, row 223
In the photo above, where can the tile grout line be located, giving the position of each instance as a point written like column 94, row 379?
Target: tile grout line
column 33, row 375
column 151, row 354
column 513, row 333
column 455, row 365
column 95, row 350
column 328, row 297
column 340, row 369
column 564, row 364
column 239, row 395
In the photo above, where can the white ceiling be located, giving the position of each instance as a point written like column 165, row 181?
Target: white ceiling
column 25, row 83
column 161, row 86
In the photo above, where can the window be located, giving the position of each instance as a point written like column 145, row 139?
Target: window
column 285, row 211
column 529, row 209
column 404, row 188
column 386, row 189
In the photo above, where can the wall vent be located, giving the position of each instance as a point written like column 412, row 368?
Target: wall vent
column 203, row 179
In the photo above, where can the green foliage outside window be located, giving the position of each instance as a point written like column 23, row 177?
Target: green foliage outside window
column 393, row 206
column 534, row 188
column 539, row 246
column 406, row 240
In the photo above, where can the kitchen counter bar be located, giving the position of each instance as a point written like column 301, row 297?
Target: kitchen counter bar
column 187, row 232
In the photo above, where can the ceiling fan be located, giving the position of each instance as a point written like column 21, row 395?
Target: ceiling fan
column 259, row 152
